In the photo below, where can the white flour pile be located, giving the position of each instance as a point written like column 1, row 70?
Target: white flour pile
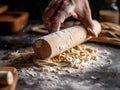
column 81, row 58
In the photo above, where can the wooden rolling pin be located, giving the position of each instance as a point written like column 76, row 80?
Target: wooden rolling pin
column 55, row 43
column 6, row 78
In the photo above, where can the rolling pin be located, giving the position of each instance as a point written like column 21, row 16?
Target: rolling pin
column 6, row 78
column 55, row 43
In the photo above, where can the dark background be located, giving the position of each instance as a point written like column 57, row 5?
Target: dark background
column 36, row 7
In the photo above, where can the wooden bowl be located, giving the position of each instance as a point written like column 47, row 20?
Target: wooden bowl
column 13, row 21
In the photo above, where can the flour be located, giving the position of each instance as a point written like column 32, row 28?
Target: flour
column 55, row 73
column 81, row 58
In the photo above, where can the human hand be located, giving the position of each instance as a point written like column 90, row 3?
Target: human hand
column 59, row 10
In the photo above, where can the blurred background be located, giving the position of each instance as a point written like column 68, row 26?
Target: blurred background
column 37, row 7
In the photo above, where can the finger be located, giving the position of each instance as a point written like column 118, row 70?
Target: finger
column 54, row 27
column 83, row 13
column 49, row 15
column 91, row 32
column 52, row 8
column 56, row 20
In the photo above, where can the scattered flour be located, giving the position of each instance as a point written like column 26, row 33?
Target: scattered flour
column 77, row 60
column 81, row 58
